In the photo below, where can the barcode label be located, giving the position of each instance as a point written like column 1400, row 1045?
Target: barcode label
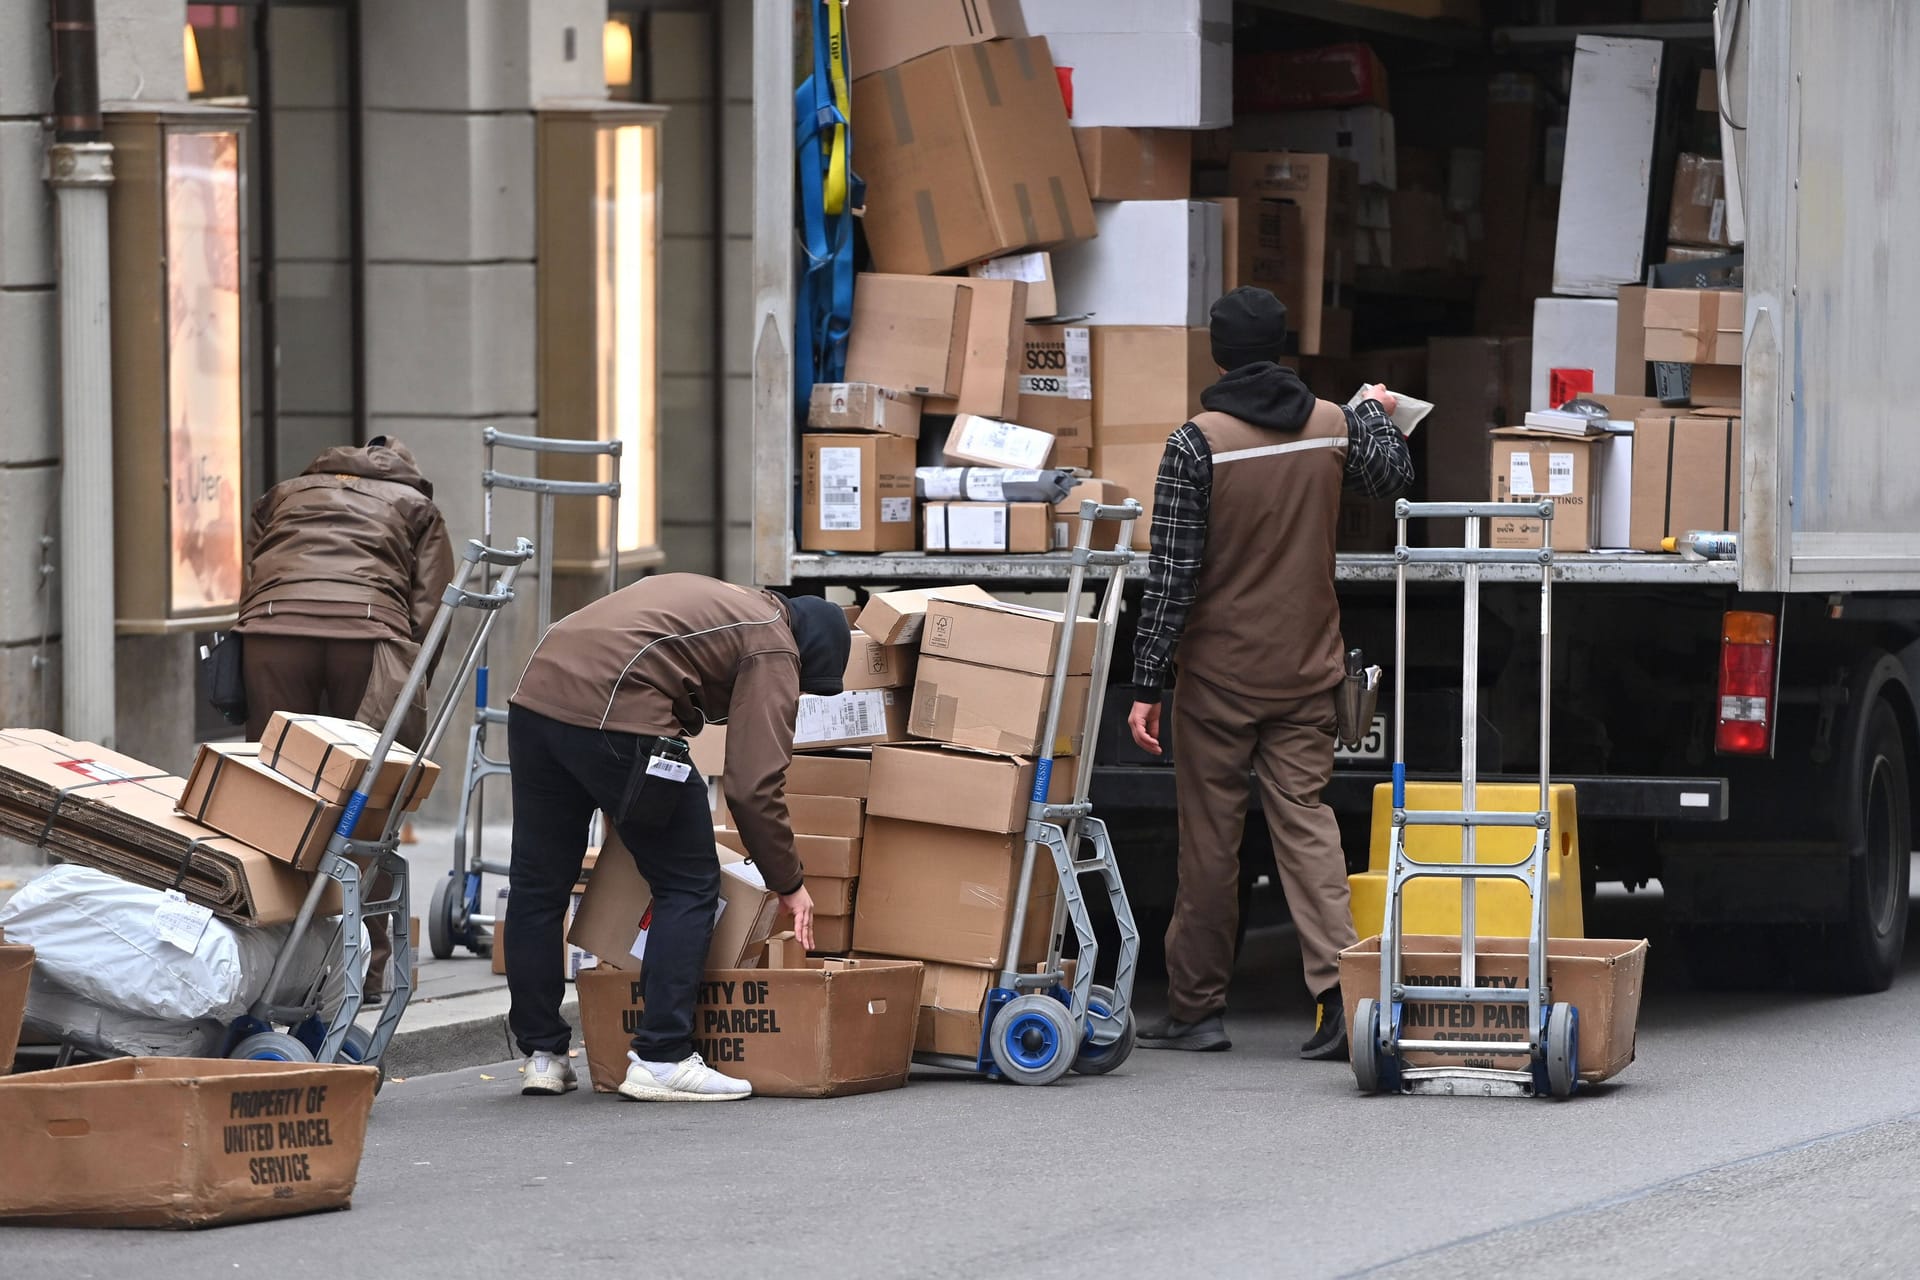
column 1520, row 475
column 982, row 528
column 936, row 539
column 856, row 714
column 1079, row 365
column 941, row 484
column 987, row 484
column 840, row 490
column 1003, row 444
column 1030, row 267
column 1559, row 474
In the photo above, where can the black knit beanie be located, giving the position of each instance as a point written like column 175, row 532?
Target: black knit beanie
column 821, row 631
column 1247, row 326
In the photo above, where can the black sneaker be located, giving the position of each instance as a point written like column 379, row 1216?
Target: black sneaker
column 1329, row 1038
column 1209, row 1035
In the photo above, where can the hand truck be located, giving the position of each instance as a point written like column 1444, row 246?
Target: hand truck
column 455, row 917
column 351, row 863
column 1034, row 1028
column 1552, row 1043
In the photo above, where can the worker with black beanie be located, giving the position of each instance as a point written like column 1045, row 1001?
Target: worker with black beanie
column 1240, row 599
column 600, row 722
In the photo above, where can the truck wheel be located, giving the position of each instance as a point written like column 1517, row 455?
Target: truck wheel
column 1863, row 952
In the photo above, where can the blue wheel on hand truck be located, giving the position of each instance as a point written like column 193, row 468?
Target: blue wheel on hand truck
column 1557, row 1073
column 1373, row 1070
column 272, row 1046
column 1098, row 1059
column 1033, row 1040
column 449, row 923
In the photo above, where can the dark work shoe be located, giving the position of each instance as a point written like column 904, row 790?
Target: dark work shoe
column 372, row 999
column 1329, row 1039
column 1209, row 1035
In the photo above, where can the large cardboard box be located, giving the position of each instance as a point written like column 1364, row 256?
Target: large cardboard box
column 1262, row 244
column 827, row 816
column 878, row 666
column 953, row 1000
column 1716, row 386
column 960, row 527
column 955, row 341
column 835, row 857
column 988, row 442
column 1686, row 474
column 1136, row 164
column 616, row 912
column 327, row 755
column 1574, row 349
column 16, row 970
column 827, row 1029
column 856, row 493
column 856, row 718
column 233, row 791
column 1537, row 464
column 181, row 1142
column 1155, row 262
column 862, row 406
column 1601, row 977
column 1606, row 183
column 1326, row 190
column 994, row 710
column 1147, row 381
column 1165, row 64
column 967, row 155
column 1476, row 384
column 1106, row 533
column 1698, row 215
column 1011, row 636
column 945, row 894
column 1630, row 341
column 896, row 617
column 1362, row 135
column 837, row 773
column 885, row 35
column 1056, row 384
column 956, row 787
column 1696, row 326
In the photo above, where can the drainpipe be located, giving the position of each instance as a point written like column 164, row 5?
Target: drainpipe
column 80, row 169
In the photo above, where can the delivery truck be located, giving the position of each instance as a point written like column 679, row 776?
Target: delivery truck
column 1743, row 730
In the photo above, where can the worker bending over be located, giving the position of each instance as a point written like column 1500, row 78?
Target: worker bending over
column 600, row 721
column 1241, row 588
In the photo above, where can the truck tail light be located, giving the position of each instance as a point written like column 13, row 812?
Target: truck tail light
column 1747, row 668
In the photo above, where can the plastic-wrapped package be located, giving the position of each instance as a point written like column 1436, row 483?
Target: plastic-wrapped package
column 991, row 484
column 55, row 1012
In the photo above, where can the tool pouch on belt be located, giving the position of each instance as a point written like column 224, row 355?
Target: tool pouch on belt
column 1358, row 698
column 657, row 782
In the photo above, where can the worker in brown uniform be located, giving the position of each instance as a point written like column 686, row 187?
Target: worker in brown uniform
column 346, row 559
column 600, row 721
column 1240, row 596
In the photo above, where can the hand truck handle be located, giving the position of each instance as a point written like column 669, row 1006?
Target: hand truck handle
column 478, row 552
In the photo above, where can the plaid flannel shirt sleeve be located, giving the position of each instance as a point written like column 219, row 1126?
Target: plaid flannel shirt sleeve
column 1379, row 464
column 1182, row 497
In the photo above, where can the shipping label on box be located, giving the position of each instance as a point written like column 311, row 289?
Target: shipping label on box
column 862, row 406
column 1035, row 270
column 990, row 443
column 853, row 718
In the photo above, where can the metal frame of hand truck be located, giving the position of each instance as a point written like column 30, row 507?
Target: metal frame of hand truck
column 1552, row 1043
column 455, row 917
column 350, row 863
column 1033, row 1027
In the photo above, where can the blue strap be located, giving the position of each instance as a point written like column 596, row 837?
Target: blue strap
column 825, row 303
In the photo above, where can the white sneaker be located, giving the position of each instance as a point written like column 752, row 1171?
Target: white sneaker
column 691, row 1080
column 547, row 1073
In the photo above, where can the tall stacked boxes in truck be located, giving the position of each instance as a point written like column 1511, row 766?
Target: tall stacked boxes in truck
column 1147, row 381
column 1326, row 190
column 1155, row 262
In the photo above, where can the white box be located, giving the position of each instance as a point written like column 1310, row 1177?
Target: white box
column 1615, row 474
column 1364, row 135
column 1142, row 63
column 988, row 442
column 1573, row 333
column 1135, row 271
column 1604, row 190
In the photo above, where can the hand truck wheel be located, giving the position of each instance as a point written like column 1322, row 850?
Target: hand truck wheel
column 1033, row 1040
column 1098, row 1059
column 272, row 1046
column 445, row 925
column 1373, row 1070
column 1562, row 1051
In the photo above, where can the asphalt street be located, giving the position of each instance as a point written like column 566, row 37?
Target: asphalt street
column 1761, row 1135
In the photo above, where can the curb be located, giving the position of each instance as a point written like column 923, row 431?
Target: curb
column 456, row 1033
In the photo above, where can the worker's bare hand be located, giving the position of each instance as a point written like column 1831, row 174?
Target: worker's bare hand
column 800, row 904
column 1144, row 720
column 1376, row 391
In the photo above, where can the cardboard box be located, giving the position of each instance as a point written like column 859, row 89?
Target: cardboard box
column 1155, row 262
column 1601, row 977
column 832, row 895
column 1339, row 75
column 1147, row 381
column 233, row 791
column 967, row 155
column 957, row 787
column 1010, row 636
column 883, row 35
column 827, row 816
column 1362, row 135
column 16, row 969
column 953, row 1000
column 987, row 442
column 1136, row 164
column 878, row 666
column 1326, row 190
column 327, row 755
column 1262, row 244
column 1574, row 349
column 1630, row 341
column 1686, row 474
column 1715, row 385
column 1535, row 464
column 825, row 1030
column 856, row 718
column 181, row 1142
column 1612, row 114
column 1476, row 384
column 1168, row 64
column 856, row 493
column 1614, row 480
column 616, row 912
column 945, row 894
column 1698, row 214
column 835, row 773
column 836, row 857
column 832, row 935
column 1013, row 527
column 1033, row 269
column 896, row 617
column 954, row 341
column 1106, row 533
column 1056, row 384
column 1696, row 326
column 862, row 406
column 992, row 709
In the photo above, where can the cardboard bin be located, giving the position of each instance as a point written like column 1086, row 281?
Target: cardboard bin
column 616, row 911
column 327, row 755
column 181, row 1142
column 16, row 970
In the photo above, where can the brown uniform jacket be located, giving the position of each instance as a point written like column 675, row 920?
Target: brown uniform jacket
column 351, row 549
column 671, row 654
